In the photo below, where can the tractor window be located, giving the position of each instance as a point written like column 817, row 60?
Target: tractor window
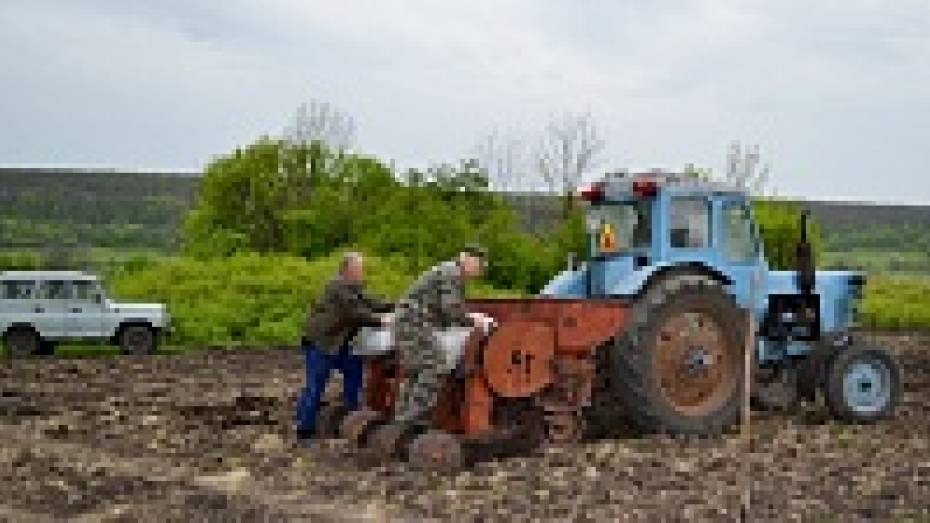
column 621, row 226
column 53, row 290
column 18, row 290
column 740, row 244
column 690, row 227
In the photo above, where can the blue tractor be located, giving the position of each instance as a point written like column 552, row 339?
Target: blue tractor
column 687, row 256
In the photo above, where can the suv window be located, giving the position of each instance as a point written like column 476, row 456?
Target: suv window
column 53, row 290
column 82, row 290
column 690, row 227
column 18, row 290
column 740, row 243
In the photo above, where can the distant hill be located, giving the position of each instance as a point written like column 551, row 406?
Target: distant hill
column 93, row 207
column 845, row 215
column 110, row 208
column 846, row 225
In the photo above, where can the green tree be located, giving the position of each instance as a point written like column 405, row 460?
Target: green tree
column 242, row 201
column 780, row 225
column 279, row 196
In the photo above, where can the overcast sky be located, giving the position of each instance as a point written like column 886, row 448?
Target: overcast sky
column 836, row 94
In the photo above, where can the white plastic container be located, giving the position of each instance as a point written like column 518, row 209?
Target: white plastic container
column 452, row 342
column 373, row 341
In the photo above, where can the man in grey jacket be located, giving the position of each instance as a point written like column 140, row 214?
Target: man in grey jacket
column 331, row 323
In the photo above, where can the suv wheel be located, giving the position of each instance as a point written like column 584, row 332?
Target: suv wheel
column 22, row 343
column 47, row 348
column 138, row 340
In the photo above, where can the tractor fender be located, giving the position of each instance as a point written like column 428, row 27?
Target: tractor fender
column 567, row 284
column 642, row 280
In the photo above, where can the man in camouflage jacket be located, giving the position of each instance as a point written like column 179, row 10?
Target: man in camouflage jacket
column 330, row 325
column 435, row 301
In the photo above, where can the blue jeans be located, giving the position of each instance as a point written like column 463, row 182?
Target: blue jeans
column 319, row 367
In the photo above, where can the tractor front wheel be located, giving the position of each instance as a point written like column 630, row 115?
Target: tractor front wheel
column 862, row 384
column 678, row 366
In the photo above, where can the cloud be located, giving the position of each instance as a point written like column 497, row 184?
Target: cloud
column 833, row 92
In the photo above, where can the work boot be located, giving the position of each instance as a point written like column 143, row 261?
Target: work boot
column 305, row 438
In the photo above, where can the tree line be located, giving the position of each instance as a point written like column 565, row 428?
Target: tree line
column 300, row 195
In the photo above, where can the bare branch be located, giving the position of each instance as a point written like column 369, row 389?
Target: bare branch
column 502, row 156
column 745, row 170
column 321, row 122
column 569, row 147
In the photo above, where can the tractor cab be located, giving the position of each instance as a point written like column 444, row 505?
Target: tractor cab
column 642, row 226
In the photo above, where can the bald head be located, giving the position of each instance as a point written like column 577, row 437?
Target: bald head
column 351, row 268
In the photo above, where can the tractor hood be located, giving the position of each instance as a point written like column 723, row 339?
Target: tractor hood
column 839, row 291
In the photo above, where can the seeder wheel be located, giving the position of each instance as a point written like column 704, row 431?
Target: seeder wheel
column 386, row 441
column 563, row 427
column 357, row 425
column 435, row 450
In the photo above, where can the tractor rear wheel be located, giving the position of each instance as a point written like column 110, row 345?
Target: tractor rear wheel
column 678, row 366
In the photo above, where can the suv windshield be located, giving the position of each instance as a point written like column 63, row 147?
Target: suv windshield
column 619, row 226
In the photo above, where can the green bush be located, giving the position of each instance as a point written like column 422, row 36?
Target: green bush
column 780, row 224
column 896, row 302
column 251, row 298
column 19, row 260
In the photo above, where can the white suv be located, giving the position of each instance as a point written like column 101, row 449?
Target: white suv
column 40, row 308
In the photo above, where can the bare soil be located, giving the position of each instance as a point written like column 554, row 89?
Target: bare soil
column 208, row 437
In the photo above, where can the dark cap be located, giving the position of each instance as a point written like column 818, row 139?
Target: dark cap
column 473, row 249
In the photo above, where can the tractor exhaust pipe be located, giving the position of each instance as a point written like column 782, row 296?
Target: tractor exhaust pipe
column 804, row 260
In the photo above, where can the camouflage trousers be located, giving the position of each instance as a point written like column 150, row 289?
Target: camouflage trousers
column 424, row 367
